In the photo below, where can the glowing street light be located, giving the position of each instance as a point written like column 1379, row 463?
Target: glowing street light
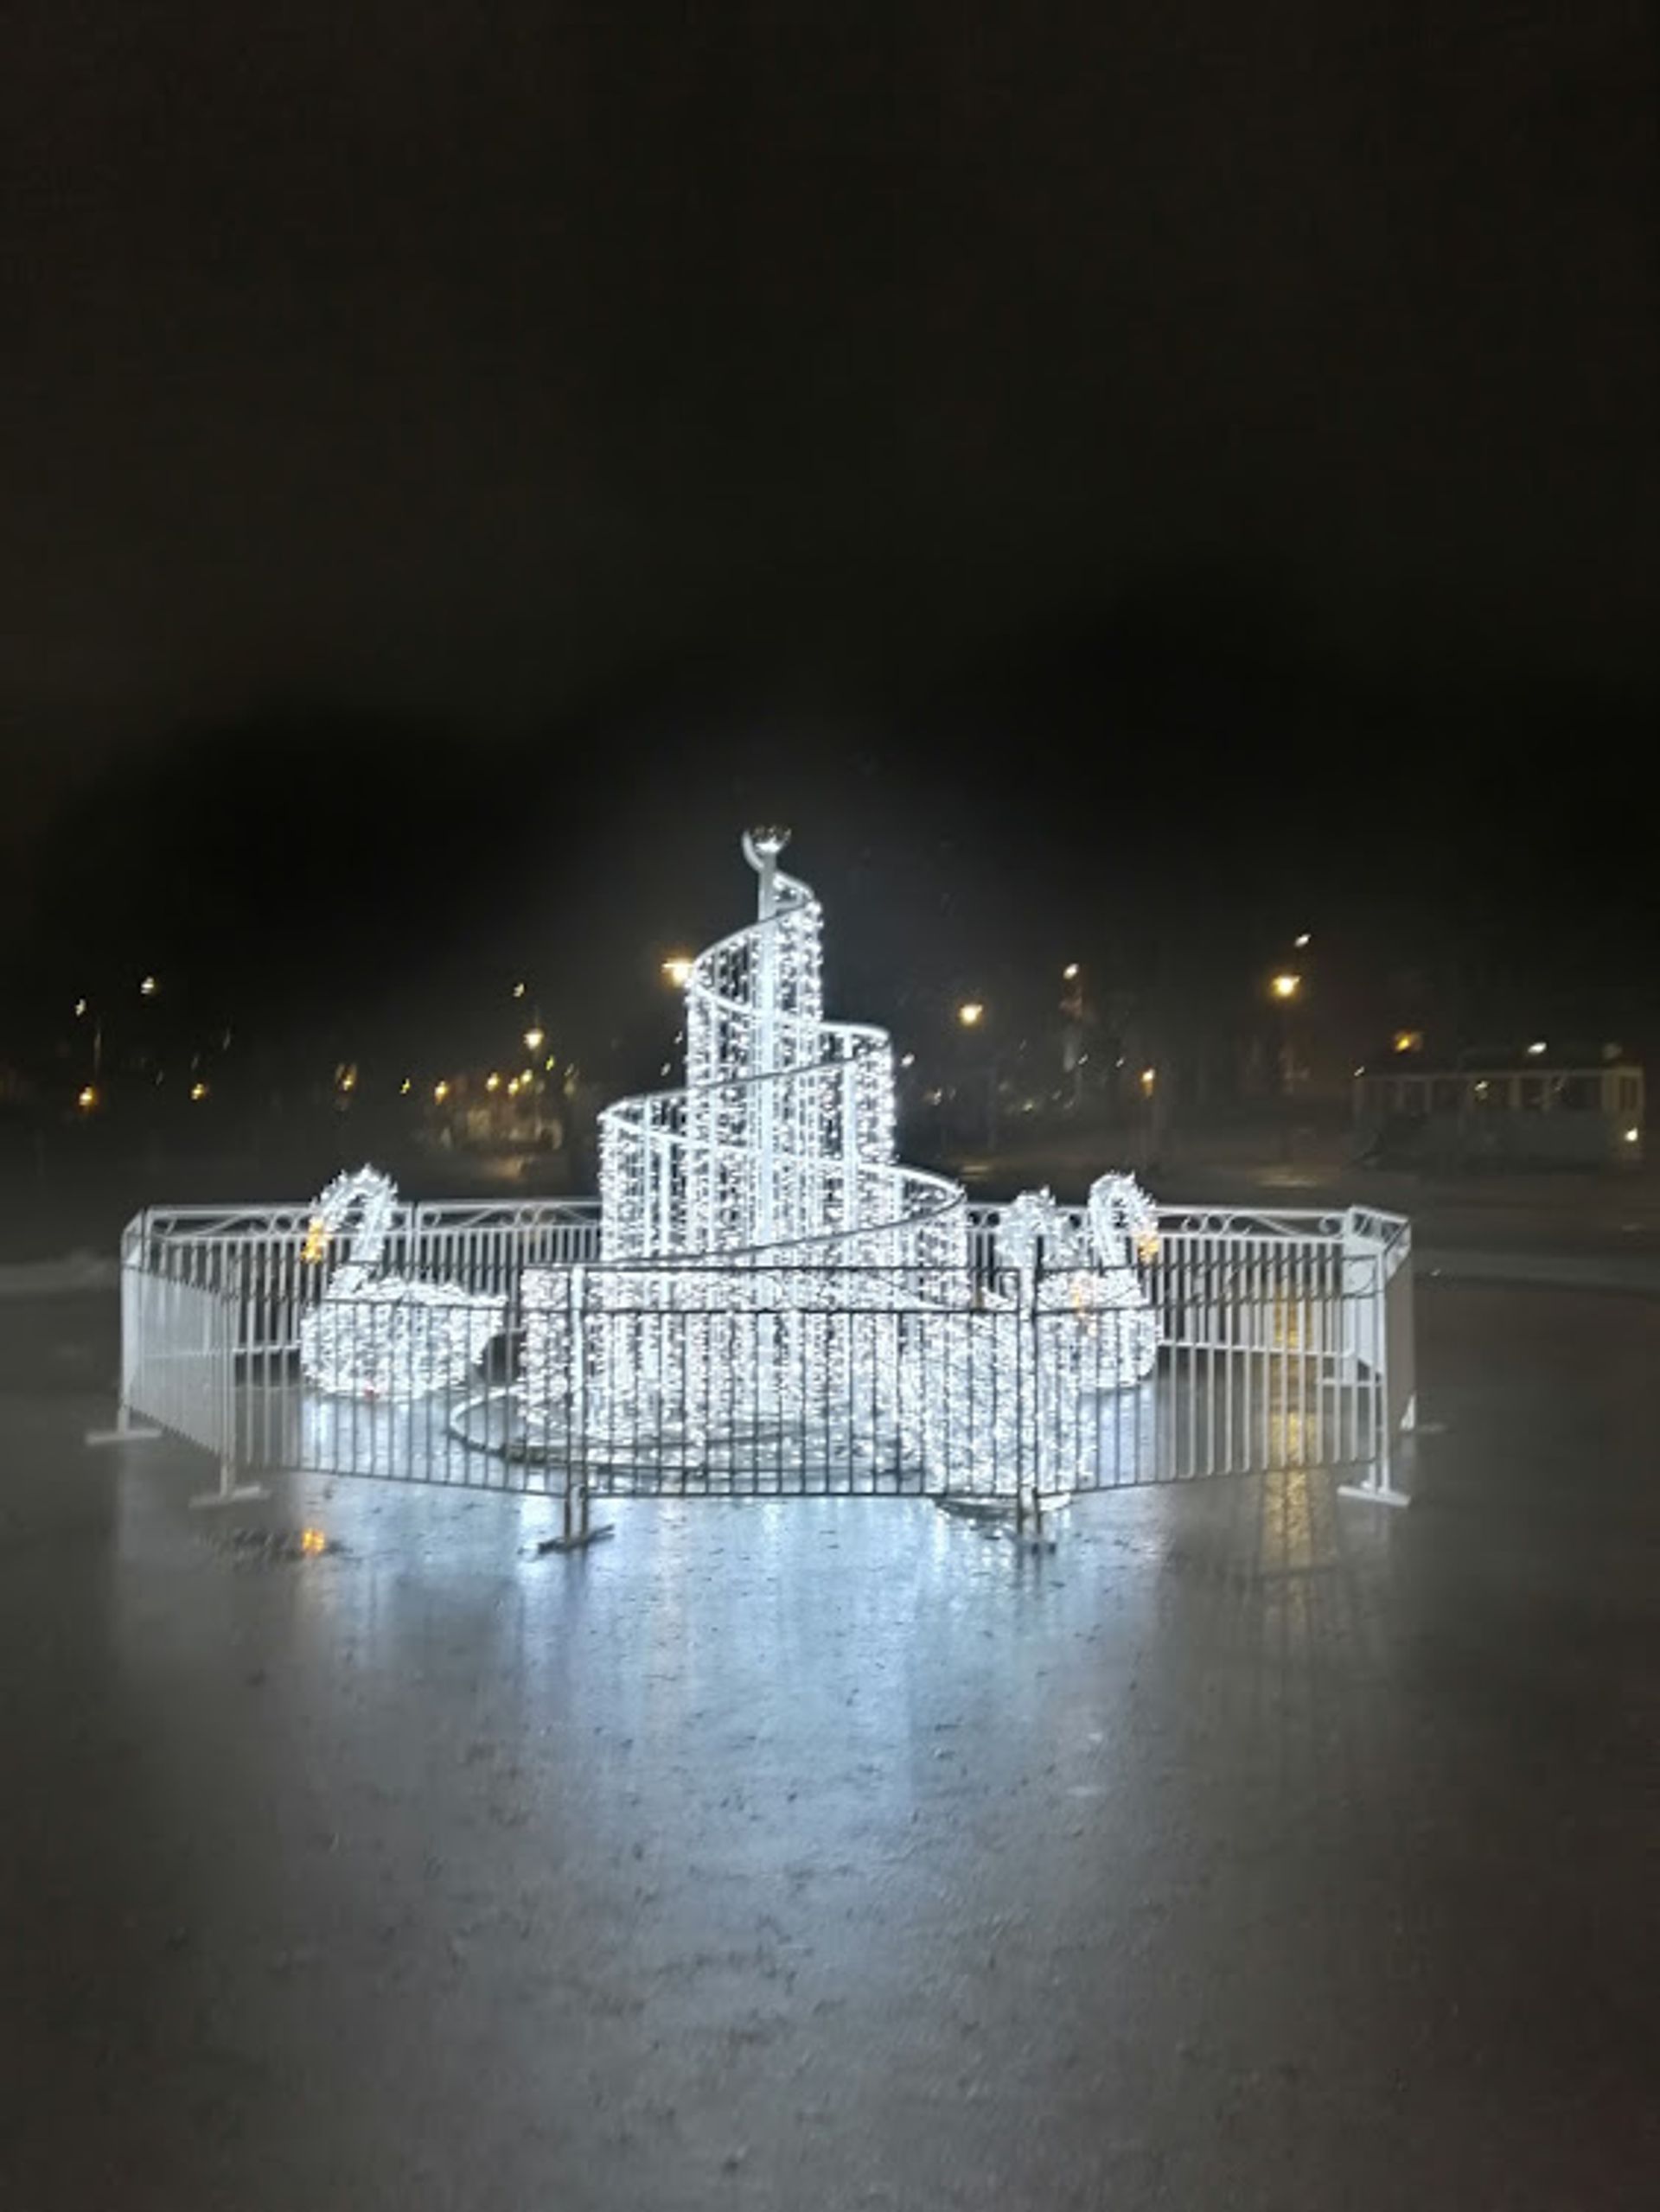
column 518, row 990
column 1149, row 1081
column 971, row 1013
column 1286, row 985
column 198, row 1093
column 148, row 987
column 86, row 1098
column 678, row 969
column 493, row 1080
column 1302, row 941
column 440, row 1093
column 535, row 1037
column 1536, row 1050
column 1070, row 972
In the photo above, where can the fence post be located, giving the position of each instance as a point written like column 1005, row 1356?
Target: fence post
column 1032, row 1414
column 126, row 1429
column 223, row 1336
column 577, row 1530
column 1378, row 1483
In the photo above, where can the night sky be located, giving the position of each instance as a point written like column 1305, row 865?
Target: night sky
column 1112, row 476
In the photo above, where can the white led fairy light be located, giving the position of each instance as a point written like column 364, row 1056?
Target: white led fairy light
column 769, row 1268
column 374, row 1335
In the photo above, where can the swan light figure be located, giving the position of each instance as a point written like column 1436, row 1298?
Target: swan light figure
column 383, row 1335
column 1093, row 1269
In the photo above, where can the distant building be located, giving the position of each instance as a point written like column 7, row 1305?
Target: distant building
column 1521, row 1109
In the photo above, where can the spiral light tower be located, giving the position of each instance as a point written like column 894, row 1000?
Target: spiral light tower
column 772, row 1281
column 779, row 1153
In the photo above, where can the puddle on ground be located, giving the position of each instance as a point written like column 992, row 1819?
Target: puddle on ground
column 272, row 1547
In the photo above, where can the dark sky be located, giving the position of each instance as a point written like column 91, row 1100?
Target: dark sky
column 1251, row 404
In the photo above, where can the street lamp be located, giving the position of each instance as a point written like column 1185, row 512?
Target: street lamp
column 1303, row 940
column 678, row 969
column 1070, row 972
column 1286, row 985
column 535, row 1037
column 971, row 1016
column 83, row 1008
column 148, row 987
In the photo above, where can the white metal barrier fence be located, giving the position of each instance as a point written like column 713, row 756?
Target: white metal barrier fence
column 178, row 1367
column 1283, row 1339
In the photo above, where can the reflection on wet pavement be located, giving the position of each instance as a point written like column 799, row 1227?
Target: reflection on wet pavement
column 1253, row 1848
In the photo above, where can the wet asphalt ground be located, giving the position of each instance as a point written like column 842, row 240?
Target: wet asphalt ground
column 1254, row 1848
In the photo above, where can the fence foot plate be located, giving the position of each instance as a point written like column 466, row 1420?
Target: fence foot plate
column 243, row 1494
column 547, row 1544
column 1382, row 1494
column 967, row 1507
column 135, row 1434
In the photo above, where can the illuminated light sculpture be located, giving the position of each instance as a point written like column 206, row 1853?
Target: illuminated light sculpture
column 773, row 1282
column 1094, row 1272
column 382, row 1335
